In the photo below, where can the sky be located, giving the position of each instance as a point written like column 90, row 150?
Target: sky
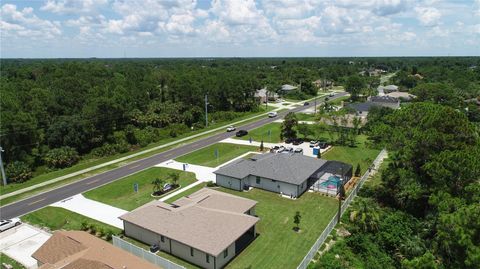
column 238, row 28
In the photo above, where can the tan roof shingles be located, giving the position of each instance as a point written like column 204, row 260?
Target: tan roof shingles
column 95, row 252
column 207, row 220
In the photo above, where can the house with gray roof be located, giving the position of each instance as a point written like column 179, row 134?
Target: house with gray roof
column 288, row 88
column 362, row 109
column 285, row 173
column 207, row 228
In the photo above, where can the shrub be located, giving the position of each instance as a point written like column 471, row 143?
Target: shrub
column 18, row 172
column 61, row 157
column 211, row 184
column 108, row 235
column 84, row 225
column 93, row 229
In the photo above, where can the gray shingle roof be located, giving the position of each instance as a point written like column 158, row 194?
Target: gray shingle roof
column 285, row 167
column 384, row 99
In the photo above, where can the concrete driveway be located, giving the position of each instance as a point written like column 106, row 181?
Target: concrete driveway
column 21, row 242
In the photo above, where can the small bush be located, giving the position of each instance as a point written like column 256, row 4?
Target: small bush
column 92, row 228
column 61, row 157
column 108, row 235
column 84, row 225
column 211, row 184
column 18, row 172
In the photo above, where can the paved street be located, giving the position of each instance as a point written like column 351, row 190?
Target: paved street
column 41, row 200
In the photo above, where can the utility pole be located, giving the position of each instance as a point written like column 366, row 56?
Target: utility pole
column 1, row 167
column 206, row 110
column 266, row 98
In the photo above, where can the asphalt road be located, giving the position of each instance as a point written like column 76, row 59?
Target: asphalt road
column 44, row 199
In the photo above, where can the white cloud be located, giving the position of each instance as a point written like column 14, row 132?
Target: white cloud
column 73, row 6
column 25, row 23
column 428, row 16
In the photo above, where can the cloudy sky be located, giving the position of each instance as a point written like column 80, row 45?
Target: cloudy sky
column 239, row 28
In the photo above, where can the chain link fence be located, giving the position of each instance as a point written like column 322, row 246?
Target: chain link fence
column 144, row 254
column 333, row 222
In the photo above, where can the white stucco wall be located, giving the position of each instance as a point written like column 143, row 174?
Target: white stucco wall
column 229, row 182
column 276, row 186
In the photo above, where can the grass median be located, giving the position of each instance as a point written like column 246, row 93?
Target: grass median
column 269, row 133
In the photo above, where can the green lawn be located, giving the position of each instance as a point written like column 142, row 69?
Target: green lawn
column 206, row 156
column 56, row 218
column 5, row 259
column 353, row 155
column 120, row 193
column 187, row 192
column 277, row 245
column 262, row 133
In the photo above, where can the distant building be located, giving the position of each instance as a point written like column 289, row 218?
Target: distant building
column 387, row 89
column 78, row 249
column 401, row 96
column 261, row 96
column 319, row 83
column 362, row 109
column 288, row 88
column 207, row 228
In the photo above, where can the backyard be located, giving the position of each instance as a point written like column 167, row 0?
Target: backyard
column 121, row 194
column 55, row 218
column 207, row 157
column 276, row 236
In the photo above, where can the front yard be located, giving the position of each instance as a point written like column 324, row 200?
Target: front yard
column 55, row 218
column 206, row 156
column 262, row 133
column 121, row 194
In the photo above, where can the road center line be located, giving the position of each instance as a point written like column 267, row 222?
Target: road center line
column 38, row 201
column 91, row 182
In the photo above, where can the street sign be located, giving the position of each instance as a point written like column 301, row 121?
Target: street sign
column 216, row 153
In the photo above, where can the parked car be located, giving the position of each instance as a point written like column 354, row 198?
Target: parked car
column 241, row 133
column 306, row 103
column 297, row 141
column 288, row 150
column 154, row 248
column 331, row 94
column 323, row 145
column 9, row 223
column 313, row 143
column 298, row 150
column 231, row 128
column 272, row 114
column 281, row 149
column 274, row 149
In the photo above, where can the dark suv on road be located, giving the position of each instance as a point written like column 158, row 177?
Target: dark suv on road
column 241, row 133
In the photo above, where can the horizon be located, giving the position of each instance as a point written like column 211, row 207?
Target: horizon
column 117, row 29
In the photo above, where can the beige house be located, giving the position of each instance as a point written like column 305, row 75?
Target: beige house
column 77, row 249
column 207, row 228
column 262, row 95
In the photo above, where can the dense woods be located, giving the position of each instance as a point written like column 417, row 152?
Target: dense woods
column 56, row 112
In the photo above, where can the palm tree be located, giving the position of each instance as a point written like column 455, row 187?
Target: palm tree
column 174, row 177
column 157, row 185
column 365, row 214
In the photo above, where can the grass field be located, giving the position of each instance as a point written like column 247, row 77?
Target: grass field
column 262, row 133
column 277, row 245
column 56, row 218
column 353, row 155
column 15, row 265
column 206, row 156
column 120, row 193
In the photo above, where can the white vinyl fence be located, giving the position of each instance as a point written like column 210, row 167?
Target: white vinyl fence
column 321, row 239
column 144, row 254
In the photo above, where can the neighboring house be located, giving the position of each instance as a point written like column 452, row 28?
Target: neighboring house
column 401, row 95
column 362, row 109
column 80, row 250
column 287, row 88
column 319, row 83
column 207, row 228
column 285, row 173
column 387, row 89
column 261, row 96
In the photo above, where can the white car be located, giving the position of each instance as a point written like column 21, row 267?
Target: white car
column 272, row 114
column 9, row 223
column 231, row 128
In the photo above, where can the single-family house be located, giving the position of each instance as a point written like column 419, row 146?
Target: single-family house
column 287, row 88
column 362, row 109
column 78, row 249
column 320, row 82
column 405, row 96
column 207, row 228
column 263, row 96
column 285, row 173
column 387, row 89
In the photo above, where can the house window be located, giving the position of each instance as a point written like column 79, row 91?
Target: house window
column 162, row 238
column 225, row 253
column 191, row 252
column 258, row 180
column 207, row 257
